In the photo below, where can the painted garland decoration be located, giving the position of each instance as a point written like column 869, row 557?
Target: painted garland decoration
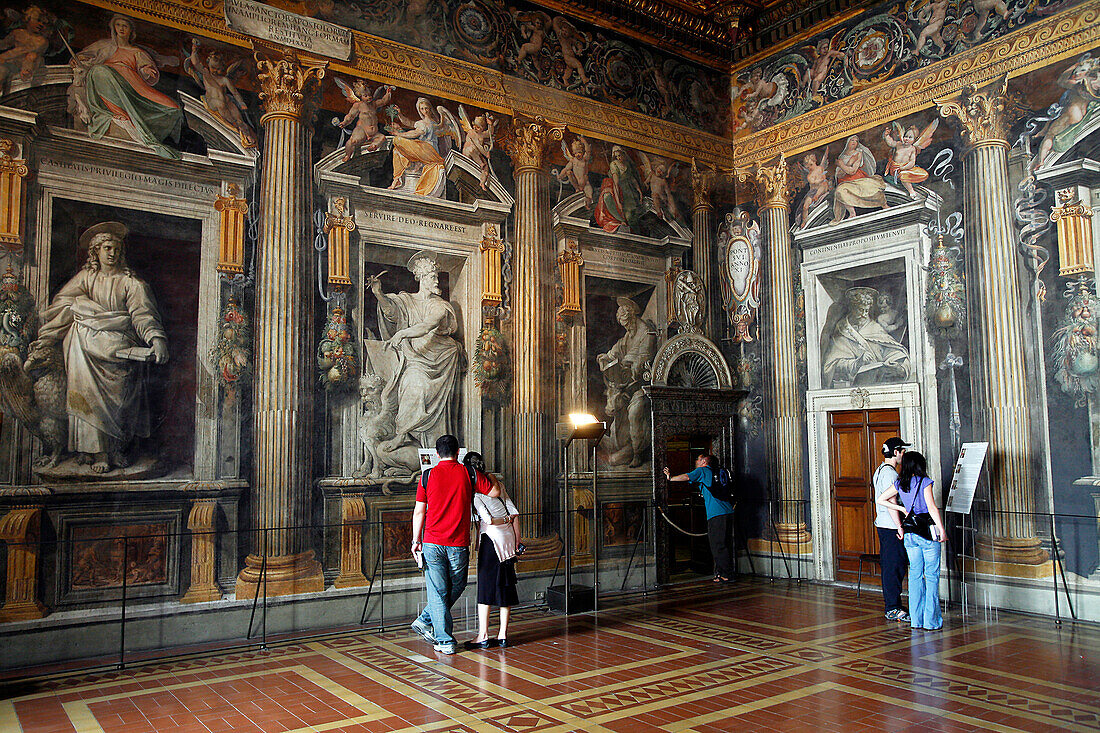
column 946, row 304
column 336, row 356
column 18, row 322
column 231, row 355
column 1074, row 353
column 491, row 362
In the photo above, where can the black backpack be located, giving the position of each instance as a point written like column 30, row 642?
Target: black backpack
column 473, row 478
column 722, row 486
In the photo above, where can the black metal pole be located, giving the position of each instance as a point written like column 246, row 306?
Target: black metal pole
column 122, row 624
column 263, row 580
column 381, row 578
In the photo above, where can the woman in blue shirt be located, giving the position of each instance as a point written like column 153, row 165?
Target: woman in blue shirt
column 719, row 516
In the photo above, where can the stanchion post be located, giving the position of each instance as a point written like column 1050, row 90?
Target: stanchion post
column 122, row 624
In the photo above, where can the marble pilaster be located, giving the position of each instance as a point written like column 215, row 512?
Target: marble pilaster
column 782, row 388
column 283, row 325
column 353, row 512
column 533, row 412
column 1002, row 399
column 703, row 256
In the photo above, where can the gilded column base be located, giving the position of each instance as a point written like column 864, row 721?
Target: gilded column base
column 543, row 553
column 22, row 611
column 202, row 594
column 1011, row 551
column 202, row 523
column 286, row 575
column 789, row 539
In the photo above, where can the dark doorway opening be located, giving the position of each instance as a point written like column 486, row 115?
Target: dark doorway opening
column 689, row 556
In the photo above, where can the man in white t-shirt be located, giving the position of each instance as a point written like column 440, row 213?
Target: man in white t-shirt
column 891, row 550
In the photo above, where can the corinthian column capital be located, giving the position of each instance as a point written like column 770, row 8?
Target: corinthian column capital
column 526, row 141
column 288, row 84
column 772, row 184
column 702, row 184
column 984, row 114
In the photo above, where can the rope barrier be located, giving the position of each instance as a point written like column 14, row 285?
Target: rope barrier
column 678, row 527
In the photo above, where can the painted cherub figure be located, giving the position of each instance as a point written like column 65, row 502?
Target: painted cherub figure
column 364, row 113
column 219, row 93
column 532, row 27
column 25, row 47
column 934, row 15
column 907, row 145
column 984, row 7
column 817, row 180
column 655, row 174
column 1082, row 84
column 479, row 141
column 578, row 158
column 823, row 57
column 572, row 45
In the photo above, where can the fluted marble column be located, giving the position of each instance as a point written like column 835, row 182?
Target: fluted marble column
column 1002, row 403
column 533, row 412
column 786, row 422
column 283, row 382
column 703, row 256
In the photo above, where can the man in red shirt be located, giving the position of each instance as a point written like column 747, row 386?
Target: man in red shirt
column 441, row 529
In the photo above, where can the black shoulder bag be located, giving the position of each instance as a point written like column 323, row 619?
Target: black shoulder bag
column 919, row 523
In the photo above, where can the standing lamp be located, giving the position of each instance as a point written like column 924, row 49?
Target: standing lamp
column 580, row 426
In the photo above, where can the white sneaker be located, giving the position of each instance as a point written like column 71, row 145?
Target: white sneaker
column 444, row 648
column 424, row 630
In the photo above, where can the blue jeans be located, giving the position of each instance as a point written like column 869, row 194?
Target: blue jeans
column 924, row 582
column 445, row 571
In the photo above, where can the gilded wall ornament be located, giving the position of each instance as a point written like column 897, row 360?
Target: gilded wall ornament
column 526, row 141
column 339, row 226
column 945, row 307
column 702, row 185
column 1074, row 220
column 985, row 114
column 772, row 183
column 739, row 254
column 288, row 84
column 231, row 231
column 13, row 174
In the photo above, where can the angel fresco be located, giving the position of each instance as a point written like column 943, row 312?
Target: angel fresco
column 24, row 48
column 421, row 147
column 815, row 173
column 823, row 54
column 532, row 26
column 907, row 145
column 619, row 205
column 479, row 141
column 656, row 174
column 856, row 181
column 984, row 7
column 113, row 92
column 364, row 113
column 578, row 158
column 573, row 43
column 1080, row 104
column 933, row 15
column 220, row 96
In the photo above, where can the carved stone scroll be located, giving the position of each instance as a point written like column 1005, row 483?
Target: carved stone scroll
column 204, row 556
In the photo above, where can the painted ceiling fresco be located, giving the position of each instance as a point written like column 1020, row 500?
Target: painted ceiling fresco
column 547, row 48
column 886, row 42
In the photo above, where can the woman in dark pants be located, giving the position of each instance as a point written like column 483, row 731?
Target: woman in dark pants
column 498, row 529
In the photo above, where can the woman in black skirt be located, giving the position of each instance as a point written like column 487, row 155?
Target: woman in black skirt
column 498, row 523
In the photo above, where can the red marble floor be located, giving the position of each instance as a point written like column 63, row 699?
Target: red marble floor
column 755, row 656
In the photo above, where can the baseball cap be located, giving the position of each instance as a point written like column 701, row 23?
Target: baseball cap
column 892, row 444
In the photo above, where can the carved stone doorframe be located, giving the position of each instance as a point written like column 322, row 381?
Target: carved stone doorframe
column 678, row 410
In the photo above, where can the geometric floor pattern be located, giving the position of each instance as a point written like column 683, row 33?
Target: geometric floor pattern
column 754, row 656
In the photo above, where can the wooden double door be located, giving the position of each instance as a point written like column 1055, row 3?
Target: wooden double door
column 855, row 451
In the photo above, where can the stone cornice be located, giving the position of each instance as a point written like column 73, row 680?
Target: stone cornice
column 421, row 71
column 1045, row 42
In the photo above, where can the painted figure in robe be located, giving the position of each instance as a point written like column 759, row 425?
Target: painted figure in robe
column 860, row 351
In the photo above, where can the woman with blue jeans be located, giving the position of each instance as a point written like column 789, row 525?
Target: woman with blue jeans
column 914, row 489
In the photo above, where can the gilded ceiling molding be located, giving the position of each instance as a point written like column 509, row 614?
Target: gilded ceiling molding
column 421, row 71
column 1040, row 44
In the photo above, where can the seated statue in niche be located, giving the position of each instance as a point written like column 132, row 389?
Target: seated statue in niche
column 106, row 324
column 421, row 392
column 860, row 351
column 624, row 367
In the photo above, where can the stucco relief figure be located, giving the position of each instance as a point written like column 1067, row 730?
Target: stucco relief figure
column 856, row 182
column 859, row 350
column 690, row 298
column 623, row 368
column 112, row 93
column 106, row 323
column 422, row 392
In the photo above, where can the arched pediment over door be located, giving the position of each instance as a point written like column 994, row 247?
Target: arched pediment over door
column 691, row 391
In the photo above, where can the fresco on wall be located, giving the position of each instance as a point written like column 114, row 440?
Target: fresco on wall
column 865, row 335
column 549, row 49
column 102, row 555
column 879, row 44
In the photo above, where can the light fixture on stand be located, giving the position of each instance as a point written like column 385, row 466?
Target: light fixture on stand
column 578, row 426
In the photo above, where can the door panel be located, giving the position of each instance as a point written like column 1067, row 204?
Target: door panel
column 855, row 450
